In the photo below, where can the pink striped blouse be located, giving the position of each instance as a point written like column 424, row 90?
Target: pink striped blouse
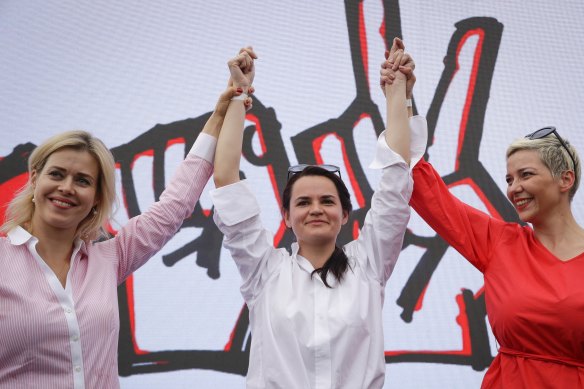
column 58, row 338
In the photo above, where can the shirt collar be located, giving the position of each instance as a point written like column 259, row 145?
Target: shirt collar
column 19, row 236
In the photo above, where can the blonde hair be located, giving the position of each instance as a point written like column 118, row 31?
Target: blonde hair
column 553, row 155
column 21, row 209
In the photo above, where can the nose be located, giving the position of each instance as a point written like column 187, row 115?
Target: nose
column 66, row 186
column 315, row 209
column 514, row 188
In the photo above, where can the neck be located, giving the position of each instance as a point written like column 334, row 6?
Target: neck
column 559, row 230
column 55, row 248
column 316, row 254
column 53, row 242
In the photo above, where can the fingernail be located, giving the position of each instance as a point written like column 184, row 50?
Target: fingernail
column 239, row 90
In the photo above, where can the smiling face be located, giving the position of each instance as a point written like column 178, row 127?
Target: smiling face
column 64, row 190
column 315, row 214
column 531, row 188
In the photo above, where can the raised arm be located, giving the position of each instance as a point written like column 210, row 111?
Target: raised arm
column 397, row 135
column 228, row 152
column 215, row 122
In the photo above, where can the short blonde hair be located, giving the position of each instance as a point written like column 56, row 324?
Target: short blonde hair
column 21, row 209
column 553, row 155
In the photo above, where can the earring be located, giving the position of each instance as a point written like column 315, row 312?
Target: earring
column 94, row 210
column 33, row 199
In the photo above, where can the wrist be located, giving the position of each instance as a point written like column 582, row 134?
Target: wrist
column 241, row 97
column 244, row 88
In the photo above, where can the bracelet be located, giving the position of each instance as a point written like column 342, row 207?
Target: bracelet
column 242, row 96
column 409, row 103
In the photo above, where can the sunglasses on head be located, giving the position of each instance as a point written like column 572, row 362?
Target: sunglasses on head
column 298, row 168
column 543, row 132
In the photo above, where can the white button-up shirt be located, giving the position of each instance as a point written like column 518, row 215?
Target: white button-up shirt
column 305, row 335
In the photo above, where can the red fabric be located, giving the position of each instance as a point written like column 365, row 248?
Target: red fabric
column 534, row 301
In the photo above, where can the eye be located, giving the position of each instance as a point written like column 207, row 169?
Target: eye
column 526, row 174
column 83, row 181
column 509, row 180
column 328, row 201
column 302, row 203
column 55, row 174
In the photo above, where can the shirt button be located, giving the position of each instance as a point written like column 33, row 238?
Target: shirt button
column 68, row 310
column 75, row 338
column 77, row 369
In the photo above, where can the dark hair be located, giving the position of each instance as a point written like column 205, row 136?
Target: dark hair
column 338, row 263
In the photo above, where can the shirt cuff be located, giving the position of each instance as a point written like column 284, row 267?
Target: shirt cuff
column 234, row 203
column 385, row 156
column 418, row 139
column 204, row 147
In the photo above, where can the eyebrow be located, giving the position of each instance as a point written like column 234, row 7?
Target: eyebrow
column 81, row 174
column 324, row 197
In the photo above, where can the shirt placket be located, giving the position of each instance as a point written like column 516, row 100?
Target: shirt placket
column 65, row 299
column 322, row 336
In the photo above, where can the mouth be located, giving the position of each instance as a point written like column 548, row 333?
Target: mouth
column 62, row 203
column 521, row 203
column 317, row 222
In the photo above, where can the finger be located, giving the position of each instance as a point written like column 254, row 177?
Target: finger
column 229, row 93
column 405, row 59
column 386, row 80
column 406, row 70
column 244, row 59
column 248, row 103
column 399, row 60
column 251, row 90
column 399, row 43
column 386, row 54
column 249, row 53
column 387, row 73
column 249, row 50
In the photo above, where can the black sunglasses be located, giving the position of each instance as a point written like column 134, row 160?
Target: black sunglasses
column 298, row 168
column 543, row 132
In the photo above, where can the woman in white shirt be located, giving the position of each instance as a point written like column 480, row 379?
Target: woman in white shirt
column 315, row 314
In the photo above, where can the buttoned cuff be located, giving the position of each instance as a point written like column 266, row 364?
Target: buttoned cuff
column 234, row 203
column 385, row 156
column 204, row 147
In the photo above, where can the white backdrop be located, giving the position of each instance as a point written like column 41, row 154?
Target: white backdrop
column 119, row 68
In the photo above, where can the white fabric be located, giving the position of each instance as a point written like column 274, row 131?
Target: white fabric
column 305, row 335
column 204, row 147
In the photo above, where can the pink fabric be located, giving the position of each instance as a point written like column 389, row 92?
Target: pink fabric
column 36, row 342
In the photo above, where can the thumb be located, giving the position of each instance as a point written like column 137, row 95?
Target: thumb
column 229, row 93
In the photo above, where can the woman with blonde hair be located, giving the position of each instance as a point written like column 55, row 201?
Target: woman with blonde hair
column 533, row 273
column 59, row 272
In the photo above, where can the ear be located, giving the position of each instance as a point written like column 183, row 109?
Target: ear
column 96, row 201
column 345, row 217
column 567, row 179
column 33, row 177
column 287, row 219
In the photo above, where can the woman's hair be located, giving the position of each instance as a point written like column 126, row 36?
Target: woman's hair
column 338, row 263
column 21, row 208
column 553, row 155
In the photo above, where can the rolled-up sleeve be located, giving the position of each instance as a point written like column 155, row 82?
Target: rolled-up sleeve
column 381, row 237
column 237, row 215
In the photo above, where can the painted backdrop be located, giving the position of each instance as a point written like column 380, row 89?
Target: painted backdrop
column 144, row 76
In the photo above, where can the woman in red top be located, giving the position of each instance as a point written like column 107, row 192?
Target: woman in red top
column 534, row 284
